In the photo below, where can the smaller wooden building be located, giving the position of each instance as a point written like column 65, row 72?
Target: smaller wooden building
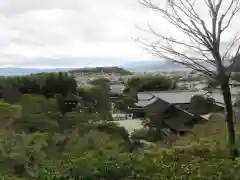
column 72, row 101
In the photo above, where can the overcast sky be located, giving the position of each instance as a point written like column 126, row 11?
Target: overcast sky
column 75, row 33
column 70, row 33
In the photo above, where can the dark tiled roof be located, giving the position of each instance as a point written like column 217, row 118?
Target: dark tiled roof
column 158, row 107
column 144, row 103
column 174, row 124
column 177, row 119
column 178, row 97
column 144, row 96
column 172, row 97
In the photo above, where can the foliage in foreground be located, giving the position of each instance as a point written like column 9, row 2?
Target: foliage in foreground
column 41, row 143
column 193, row 162
column 99, row 155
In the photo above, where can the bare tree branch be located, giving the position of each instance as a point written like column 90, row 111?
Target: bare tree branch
column 202, row 44
column 231, row 46
column 183, row 15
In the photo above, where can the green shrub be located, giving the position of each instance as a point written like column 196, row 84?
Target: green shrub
column 73, row 119
column 95, row 155
column 116, row 131
column 202, row 105
column 23, row 153
column 37, row 122
column 99, row 154
column 141, row 134
column 148, row 135
column 174, row 164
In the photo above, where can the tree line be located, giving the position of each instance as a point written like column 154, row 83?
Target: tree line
column 46, row 84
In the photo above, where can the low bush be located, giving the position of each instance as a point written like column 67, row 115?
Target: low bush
column 191, row 162
column 99, row 155
column 116, row 131
column 141, row 134
column 148, row 135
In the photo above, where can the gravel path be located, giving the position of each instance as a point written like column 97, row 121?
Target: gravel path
column 130, row 125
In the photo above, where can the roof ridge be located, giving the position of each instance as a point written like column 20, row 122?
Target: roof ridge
column 167, row 91
column 177, row 91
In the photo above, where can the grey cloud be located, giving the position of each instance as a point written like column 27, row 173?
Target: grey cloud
column 33, row 29
column 24, row 41
column 13, row 7
column 88, row 27
column 60, row 62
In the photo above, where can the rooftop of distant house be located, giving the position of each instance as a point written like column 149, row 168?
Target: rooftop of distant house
column 172, row 97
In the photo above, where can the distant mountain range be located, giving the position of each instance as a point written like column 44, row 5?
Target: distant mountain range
column 153, row 66
column 9, row 71
column 139, row 66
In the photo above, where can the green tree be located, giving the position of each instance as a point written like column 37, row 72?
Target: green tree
column 23, row 153
column 36, row 114
column 150, row 83
column 10, row 94
column 98, row 100
column 9, row 112
column 134, row 83
column 47, row 84
column 159, row 83
column 100, row 82
column 202, row 105
column 9, row 115
column 74, row 119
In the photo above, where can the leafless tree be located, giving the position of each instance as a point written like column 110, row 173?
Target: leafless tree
column 199, row 45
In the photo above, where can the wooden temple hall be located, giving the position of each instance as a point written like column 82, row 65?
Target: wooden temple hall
column 166, row 107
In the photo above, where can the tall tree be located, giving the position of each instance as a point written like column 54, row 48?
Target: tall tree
column 199, row 28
